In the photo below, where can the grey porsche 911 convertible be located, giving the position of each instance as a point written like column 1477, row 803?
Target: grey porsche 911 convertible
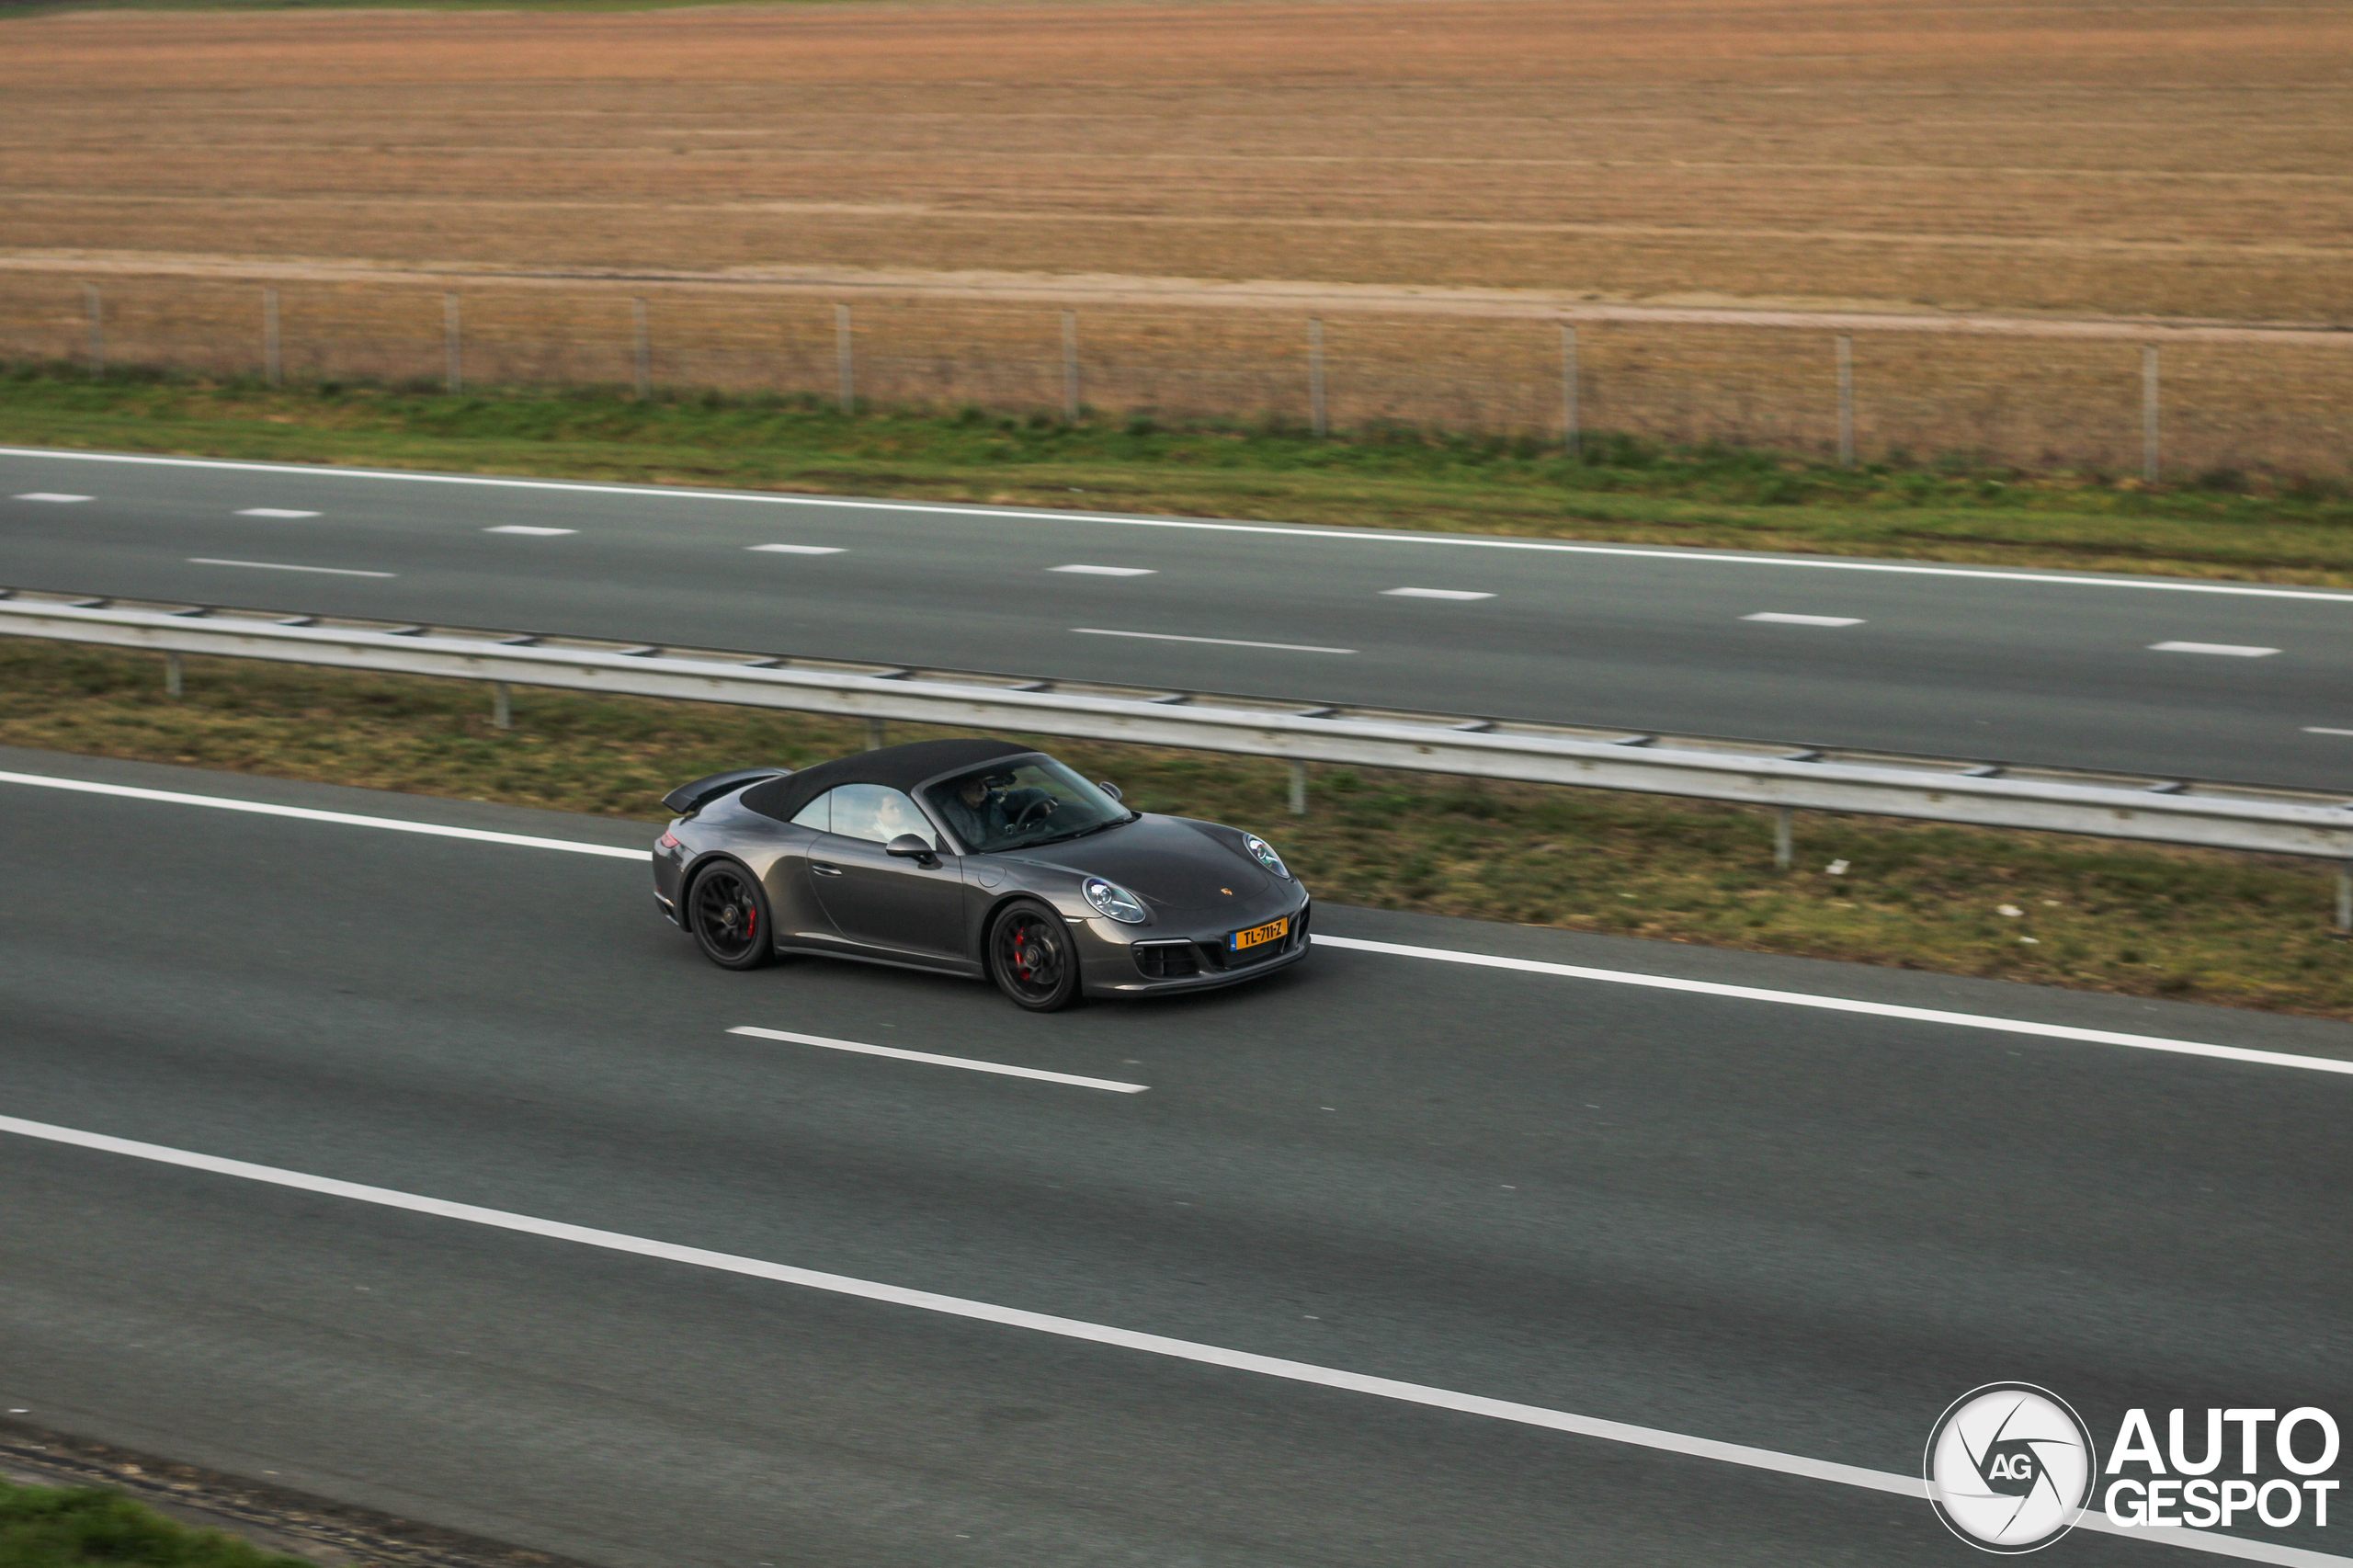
column 973, row 857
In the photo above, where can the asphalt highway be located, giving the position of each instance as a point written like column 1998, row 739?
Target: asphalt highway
column 2235, row 682
column 1799, row 1230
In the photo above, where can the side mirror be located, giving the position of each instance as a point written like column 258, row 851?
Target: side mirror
column 913, row 847
column 1110, row 788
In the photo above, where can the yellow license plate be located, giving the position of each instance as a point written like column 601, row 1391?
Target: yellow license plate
column 1273, row 932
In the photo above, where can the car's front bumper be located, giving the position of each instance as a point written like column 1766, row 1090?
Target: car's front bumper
column 1109, row 964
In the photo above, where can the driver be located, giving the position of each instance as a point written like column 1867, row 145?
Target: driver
column 997, row 810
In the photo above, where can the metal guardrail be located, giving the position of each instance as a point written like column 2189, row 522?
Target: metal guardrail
column 1948, row 789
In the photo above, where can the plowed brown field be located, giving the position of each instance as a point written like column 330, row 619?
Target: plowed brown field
column 2189, row 160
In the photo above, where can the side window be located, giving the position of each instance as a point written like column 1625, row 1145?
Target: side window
column 815, row 814
column 875, row 814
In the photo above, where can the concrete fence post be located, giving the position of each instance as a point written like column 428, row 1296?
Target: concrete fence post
column 273, row 365
column 502, row 706
column 1315, row 375
column 2344, row 896
column 92, row 305
column 175, row 680
column 874, row 735
column 841, row 360
column 1069, row 367
column 1571, row 436
column 2149, row 413
column 453, row 344
column 1846, row 401
column 643, row 343
column 1298, row 788
column 1784, row 844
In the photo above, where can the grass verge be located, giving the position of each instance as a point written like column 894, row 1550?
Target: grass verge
column 45, row 1527
column 2248, row 931
column 2224, row 524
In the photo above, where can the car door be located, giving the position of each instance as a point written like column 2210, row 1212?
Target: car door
column 902, row 908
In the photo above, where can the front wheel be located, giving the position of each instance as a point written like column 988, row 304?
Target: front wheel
column 728, row 913
column 1032, row 958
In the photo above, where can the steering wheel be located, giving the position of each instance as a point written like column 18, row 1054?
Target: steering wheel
column 1035, row 810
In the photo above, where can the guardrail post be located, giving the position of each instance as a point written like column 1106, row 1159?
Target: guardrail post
column 174, row 684
column 502, row 706
column 1571, row 437
column 1315, row 375
column 1298, row 788
column 645, row 344
column 874, row 741
column 2344, row 896
column 273, row 367
column 1069, row 367
column 91, row 303
column 452, row 344
column 2149, row 414
column 841, row 360
column 1784, row 849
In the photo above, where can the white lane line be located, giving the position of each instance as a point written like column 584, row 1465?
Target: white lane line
column 1780, row 618
column 2323, row 730
column 282, row 567
column 924, row 1056
column 528, row 529
column 272, row 512
column 1434, row 593
column 1107, row 571
column 1078, row 1329
column 2228, row 649
column 1372, row 536
column 1216, row 641
column 1843, row 1004
column 1395, row 949
column 49, row 495
column 304, row 814
column 796, row 549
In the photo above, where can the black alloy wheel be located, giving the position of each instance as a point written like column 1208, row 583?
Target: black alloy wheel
column 1032, row 958
column 729, row 916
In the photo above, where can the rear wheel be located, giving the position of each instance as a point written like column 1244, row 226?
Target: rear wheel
column 729, row 916
column 1032, row 958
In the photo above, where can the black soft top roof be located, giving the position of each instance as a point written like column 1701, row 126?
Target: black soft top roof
column 898, row 768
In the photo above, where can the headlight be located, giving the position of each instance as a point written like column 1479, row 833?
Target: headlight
column 1264, row 853
column 1111, row 899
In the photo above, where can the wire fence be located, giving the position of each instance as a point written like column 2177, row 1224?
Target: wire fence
column 2170, row 404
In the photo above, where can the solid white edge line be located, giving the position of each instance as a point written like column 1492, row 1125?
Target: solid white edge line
column 1396, row 950
column 282, row 567
column 1377, row 536
column 1844, row 1004
column 927, row 1057
column 2324, row 729
column 1099, row 1334
column 304, row 814
column 1218, row 641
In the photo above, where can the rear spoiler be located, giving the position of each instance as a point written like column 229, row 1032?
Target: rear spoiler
column 688, row 799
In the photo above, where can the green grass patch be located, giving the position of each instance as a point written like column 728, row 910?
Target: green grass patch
column 2276, row 529
column 45, row 1527
column 2250, row 931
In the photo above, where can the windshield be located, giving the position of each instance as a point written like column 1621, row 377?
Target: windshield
column 1011, row 806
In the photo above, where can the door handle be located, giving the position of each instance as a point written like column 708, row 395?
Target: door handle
column 824, row 871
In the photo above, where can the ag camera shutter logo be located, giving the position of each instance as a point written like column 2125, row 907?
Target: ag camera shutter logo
column 2010, row 1467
